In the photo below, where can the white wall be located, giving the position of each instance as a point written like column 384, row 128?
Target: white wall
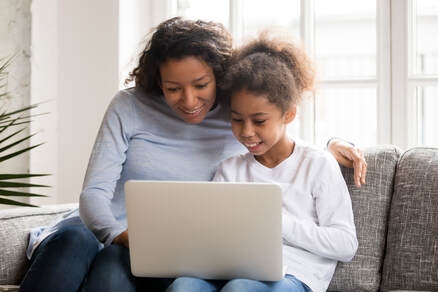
column 81, row 53
column 136, row 18
column 75, row 68
column 44, row 89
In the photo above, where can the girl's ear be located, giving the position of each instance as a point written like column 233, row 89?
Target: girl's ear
column 290, row 115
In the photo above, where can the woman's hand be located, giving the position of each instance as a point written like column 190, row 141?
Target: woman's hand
column 122, row 239
column 349, row 156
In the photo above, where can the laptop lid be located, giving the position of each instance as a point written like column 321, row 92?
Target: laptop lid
column 210, row 230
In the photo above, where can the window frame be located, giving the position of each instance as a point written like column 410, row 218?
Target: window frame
column 395, row 81
column 381, row 82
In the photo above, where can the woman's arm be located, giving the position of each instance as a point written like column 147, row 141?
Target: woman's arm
column 104, row 170
column 122, row 239
column 349, row 156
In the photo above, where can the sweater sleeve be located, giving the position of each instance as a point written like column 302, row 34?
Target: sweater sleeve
column 104, row 170
column 333, row 235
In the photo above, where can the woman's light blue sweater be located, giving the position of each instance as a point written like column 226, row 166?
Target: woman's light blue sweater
column 142, row 138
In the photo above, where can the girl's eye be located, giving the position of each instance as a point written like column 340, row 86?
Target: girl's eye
column 172, row 89
column 236, row 120
column 259, row 122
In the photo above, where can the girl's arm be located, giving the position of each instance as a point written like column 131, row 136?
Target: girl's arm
column 333, row 234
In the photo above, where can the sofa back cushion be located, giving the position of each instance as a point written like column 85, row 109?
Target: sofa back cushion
column 15, row 224
column 411, row 261
column 371, row 207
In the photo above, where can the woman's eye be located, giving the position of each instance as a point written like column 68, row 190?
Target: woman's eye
column 235, row 120
column 201, row 86
column 172, row 89
column 259, row 122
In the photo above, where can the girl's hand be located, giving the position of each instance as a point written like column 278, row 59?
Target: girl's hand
column 349, row 156
column 122, row 239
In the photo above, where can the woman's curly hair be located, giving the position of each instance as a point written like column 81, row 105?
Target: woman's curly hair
column 177, row 38
column 276, row 67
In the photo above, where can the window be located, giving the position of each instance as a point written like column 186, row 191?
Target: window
column 345, row 50
column 377, row 62
column 201, row 9
column 423, row 75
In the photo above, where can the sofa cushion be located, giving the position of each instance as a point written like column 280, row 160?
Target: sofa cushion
column 371, row 207
column 411, row 260
column 15, row 224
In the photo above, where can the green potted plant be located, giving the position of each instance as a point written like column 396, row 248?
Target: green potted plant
column 12, row 123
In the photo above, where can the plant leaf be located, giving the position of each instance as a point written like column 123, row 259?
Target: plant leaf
column 6, row 157
column 6, row 63
column 19, row 194
column 4, row 176
column 14, row 124
column 9, row 120
column 15, row 203
column 12, row 135
column 10, row 123
column 15, row 143
column 7, row 184
column 8, row 114
column 4, row 119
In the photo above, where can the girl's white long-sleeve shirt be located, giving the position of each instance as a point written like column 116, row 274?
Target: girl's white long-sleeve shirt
column 318, row 224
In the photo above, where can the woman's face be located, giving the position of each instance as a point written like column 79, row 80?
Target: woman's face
column 189, row 87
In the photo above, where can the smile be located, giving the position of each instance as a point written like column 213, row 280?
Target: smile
column 253, row 147
column 194, row 111
column 252, row 144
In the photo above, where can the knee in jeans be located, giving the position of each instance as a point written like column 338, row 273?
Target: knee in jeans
column 236, row 285
column 111, row 265
column 182, row 281
column 77, row 237
column 114, row 255
column 183, row 284
column 114, row 251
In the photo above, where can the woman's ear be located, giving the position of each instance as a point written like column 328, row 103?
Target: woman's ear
column 290, row 115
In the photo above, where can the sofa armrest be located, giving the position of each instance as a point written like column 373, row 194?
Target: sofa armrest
column 15, row 224
column 411, row 260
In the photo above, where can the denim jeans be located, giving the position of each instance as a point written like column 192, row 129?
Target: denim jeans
column 61, row 261
column 288, row 283
column 111, row 271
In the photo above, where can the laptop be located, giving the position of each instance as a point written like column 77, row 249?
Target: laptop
column 209, row 230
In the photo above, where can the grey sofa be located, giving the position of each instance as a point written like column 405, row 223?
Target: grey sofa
column 396, row 215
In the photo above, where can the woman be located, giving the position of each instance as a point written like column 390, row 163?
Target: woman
column 172, row 125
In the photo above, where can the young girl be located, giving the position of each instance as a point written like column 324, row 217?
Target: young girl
column 266, row 84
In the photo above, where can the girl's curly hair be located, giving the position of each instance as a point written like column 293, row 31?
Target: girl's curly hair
column 276, row 67
column 177, row 38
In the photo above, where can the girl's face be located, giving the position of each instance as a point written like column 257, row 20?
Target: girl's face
column 261, row 126
column 189, row 87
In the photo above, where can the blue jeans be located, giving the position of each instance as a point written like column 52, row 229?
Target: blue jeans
column 61, row 261
column 111, row 271
column 288, row 283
